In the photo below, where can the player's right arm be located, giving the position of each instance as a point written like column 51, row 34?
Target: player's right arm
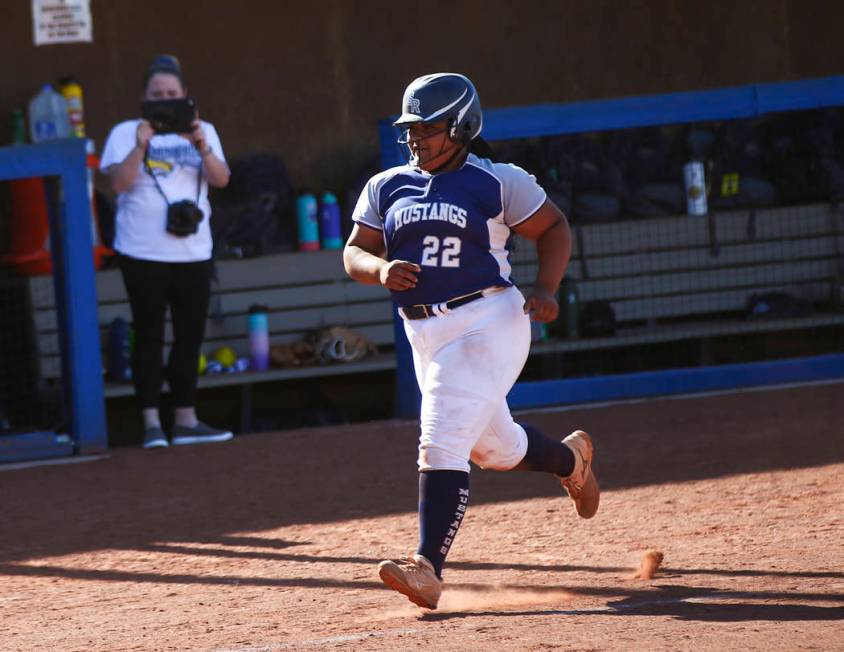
column 363, row 258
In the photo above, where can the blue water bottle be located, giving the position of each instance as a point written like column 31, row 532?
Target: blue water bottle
column 307, row 222
column 119, row 351
column 259, row 338
column 330, row 232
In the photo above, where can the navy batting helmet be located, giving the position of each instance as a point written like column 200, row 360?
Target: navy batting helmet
column 443, row 96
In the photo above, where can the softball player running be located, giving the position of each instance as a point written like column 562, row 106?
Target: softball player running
column 435, row 232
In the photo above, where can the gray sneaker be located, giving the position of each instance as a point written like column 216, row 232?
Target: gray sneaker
column 201, row 433
column 154, row 437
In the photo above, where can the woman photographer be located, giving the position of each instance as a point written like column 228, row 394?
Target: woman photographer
column 161, row 175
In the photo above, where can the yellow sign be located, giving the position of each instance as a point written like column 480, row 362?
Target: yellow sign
column 730, row 184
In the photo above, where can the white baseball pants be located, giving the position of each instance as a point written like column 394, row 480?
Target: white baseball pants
column 466, row 361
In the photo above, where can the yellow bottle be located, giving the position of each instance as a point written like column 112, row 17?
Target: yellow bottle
column 72, row 92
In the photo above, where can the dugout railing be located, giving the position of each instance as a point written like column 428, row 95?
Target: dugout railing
column 677, row 279
column 63, row 165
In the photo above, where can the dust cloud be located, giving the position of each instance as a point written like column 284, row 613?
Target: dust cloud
column 649, row 565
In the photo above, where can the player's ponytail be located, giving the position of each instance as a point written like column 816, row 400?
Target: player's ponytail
column 480, row 148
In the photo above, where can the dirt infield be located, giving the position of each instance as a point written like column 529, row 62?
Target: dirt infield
column 270, row 542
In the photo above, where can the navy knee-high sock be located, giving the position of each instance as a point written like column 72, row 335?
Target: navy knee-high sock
column 443, row 499
column 545, row 454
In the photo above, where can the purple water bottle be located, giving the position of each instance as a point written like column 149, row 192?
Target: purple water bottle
column 259, row 338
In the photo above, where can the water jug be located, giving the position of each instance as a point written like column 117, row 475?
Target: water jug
column 259, row 338
column 331, row 236
column 307, row 222
column 48, row 116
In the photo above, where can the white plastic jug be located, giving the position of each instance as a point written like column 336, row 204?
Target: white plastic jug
column 48, row 116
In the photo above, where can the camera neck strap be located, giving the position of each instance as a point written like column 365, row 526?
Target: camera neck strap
column 148, row 170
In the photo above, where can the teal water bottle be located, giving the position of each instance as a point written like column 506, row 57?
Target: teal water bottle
column 571, row 307
column 538, row 332
column 307, row 222
column 18, row 127
column 331, row 236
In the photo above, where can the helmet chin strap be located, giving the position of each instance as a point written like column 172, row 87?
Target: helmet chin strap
column 456, row 146
column 458, row 150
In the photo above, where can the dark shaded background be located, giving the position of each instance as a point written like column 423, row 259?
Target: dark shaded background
column 309, row 80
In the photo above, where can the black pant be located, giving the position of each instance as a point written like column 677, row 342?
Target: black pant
column 152, row 287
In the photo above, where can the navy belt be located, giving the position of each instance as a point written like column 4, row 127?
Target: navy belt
column 423, row 311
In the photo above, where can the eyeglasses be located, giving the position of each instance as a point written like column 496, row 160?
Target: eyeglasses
column 405, row 138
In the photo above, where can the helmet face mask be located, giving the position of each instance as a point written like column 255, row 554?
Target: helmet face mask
column 405, row 137
column 430, row 144
column 448, row 97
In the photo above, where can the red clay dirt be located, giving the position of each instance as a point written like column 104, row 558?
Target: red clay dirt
column 270, row 542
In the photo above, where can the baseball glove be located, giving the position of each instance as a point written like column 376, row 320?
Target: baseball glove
column 341, row 344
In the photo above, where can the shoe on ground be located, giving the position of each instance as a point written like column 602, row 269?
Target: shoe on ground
column 414, row 578
column 581, row 485
column 201, row 433
column 154, row 437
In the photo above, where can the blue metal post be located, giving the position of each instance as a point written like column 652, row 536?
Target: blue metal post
column 76, row 288
column 76, row 266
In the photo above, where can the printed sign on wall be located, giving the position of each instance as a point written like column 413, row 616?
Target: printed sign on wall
column 61, row 21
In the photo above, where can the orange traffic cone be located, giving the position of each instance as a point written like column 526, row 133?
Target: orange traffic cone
column 29, row 247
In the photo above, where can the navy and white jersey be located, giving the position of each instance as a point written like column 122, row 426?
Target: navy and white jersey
column 454, row 225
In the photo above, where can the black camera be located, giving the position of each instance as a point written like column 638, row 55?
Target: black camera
column 183, row 218
column 170, row 116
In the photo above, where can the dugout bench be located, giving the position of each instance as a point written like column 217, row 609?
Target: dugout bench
column 691, row 277
column 667, row 279
column 303, row 292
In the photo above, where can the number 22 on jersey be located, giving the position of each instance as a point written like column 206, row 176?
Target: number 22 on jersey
column 441, row 253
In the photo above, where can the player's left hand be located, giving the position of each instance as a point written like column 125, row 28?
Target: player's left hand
column 541, row 305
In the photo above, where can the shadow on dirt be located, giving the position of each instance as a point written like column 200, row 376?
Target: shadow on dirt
column 260, row 482
column 680, row 602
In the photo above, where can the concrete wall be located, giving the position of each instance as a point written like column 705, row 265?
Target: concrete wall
column 308, row 80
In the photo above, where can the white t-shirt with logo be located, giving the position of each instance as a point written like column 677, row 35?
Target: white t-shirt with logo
column 141, row 221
